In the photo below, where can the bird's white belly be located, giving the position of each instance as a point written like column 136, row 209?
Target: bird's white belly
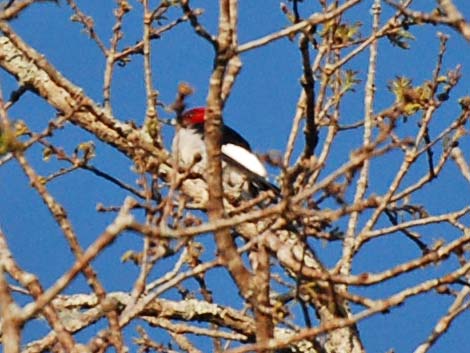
column 186, row 144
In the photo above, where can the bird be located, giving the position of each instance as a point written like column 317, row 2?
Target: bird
column 241, row 167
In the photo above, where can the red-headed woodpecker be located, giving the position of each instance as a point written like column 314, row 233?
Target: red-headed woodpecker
column 240, row 164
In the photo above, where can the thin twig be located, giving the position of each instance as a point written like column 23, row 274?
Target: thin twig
column 313, row 20
column 362, row 182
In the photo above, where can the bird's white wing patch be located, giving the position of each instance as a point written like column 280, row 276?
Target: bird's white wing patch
column 246, row 158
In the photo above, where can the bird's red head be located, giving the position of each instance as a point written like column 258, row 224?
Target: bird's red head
column 193, row 116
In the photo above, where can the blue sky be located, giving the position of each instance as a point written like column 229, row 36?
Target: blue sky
column 261, row 106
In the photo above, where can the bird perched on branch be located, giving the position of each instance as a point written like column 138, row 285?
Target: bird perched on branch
column 241, row 166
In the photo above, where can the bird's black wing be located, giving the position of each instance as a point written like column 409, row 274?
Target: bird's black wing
column 229, row 135
column 257, row 180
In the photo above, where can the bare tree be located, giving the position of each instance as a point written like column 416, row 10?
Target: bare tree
column 284, row 296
